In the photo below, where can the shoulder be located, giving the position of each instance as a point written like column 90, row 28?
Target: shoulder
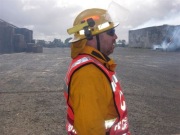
column 87, row 80
column 89, row 70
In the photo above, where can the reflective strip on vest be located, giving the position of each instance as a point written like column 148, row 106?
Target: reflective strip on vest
column 70, row 129
column 84, row 59
column 109, row 123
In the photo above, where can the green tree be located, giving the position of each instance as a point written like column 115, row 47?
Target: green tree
column 123, row 43
column 57, row 43
column 41, row 42
column 66, row 42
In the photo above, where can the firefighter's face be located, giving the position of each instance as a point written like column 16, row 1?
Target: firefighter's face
column 107, row 41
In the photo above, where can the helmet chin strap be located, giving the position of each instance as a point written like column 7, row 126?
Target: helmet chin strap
column 98, row 42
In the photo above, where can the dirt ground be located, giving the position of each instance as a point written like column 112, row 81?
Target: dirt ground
column 32, row 102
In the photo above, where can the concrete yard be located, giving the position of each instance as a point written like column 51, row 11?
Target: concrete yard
column 31, row 91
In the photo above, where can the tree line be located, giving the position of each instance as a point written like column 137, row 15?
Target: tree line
column 59, row 43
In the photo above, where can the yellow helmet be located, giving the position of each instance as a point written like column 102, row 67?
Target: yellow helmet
column 91, row 22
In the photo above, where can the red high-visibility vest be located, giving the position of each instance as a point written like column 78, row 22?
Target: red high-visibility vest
column 117, row 126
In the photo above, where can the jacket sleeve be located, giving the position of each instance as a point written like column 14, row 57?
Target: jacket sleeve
column 90, row 94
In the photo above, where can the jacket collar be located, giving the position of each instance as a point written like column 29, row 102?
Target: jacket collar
column 105, row 60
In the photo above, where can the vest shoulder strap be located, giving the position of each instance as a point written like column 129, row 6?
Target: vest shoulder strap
column 81, row 61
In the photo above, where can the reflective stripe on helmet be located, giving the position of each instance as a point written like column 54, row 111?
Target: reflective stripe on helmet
column 100, row 27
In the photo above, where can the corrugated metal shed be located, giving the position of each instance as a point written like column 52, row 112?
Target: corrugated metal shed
column 148, row 37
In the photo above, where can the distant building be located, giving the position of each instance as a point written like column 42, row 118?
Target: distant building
column 14, row 39
column 6, row 37
column 163, row 36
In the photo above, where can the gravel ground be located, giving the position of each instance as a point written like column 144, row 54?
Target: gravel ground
column 32, row 102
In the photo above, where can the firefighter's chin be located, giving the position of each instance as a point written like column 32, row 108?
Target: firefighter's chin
column 110, row 51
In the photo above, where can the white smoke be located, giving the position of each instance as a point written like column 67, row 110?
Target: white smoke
column 175, row 40
column 171, row 44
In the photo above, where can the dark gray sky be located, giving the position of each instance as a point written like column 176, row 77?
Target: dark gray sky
column 50, row 19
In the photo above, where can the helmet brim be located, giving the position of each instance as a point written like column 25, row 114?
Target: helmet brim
column 76, row 39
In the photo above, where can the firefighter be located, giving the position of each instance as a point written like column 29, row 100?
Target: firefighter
column 95, row 101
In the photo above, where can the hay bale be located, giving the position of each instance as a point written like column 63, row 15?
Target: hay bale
column 6, row 38
column 37, row 49
column 28, row 34
column 19, row 43
column 30, row 47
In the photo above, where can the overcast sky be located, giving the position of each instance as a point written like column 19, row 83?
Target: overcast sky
column 50, row 19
